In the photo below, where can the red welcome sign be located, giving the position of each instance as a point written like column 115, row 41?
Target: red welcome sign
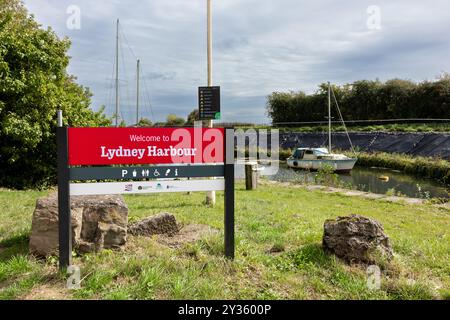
column 110, row 146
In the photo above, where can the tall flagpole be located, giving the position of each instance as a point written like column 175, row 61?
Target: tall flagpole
column 211, row 195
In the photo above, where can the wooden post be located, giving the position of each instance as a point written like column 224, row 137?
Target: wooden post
column 251, row 176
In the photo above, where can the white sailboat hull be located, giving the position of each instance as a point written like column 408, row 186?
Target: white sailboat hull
column 339, row 165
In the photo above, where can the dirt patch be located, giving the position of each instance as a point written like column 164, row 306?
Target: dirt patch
column 187, row 234
column 54, row 291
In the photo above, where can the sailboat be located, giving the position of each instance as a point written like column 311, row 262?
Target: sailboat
column 317, row 158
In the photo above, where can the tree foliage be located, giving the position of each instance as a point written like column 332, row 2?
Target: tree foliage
column 174, row 121
column 366, row 100
column 144, row 122
column 192, row 117
column 34, row 84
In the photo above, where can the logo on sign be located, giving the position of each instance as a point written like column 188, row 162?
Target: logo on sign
column 128, row 187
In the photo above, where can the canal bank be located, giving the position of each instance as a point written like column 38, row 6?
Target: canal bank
column 423, row 155
column 393, row 182
column 357, row 193
column 422, row 144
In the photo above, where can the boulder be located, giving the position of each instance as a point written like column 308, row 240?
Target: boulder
column 97, row 222
column 163, row 223
column 357, row 239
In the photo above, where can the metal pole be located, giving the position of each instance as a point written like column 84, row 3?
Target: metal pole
column 60, row 118
column 64, row 223
column 117, row 73
column 209, row 43
column 211, row 195
column 229, row 193
column 137, row 93
column 329, row 117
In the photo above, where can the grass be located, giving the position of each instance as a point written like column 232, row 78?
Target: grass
column 407, row 128
column 433, row 168
column 278, row 243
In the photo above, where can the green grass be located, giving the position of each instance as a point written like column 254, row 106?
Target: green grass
column 410, row 127
column 278, row 243
column 433, row 168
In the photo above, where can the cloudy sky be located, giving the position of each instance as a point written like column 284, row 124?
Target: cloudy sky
column 260, row 46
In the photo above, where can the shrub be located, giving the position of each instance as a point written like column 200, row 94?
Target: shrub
column 34, row 84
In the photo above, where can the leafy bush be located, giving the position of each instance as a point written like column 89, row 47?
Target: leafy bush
column 34, row 84
column 366, row 100
column 174, row 121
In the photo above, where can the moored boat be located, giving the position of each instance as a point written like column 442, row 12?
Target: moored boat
column 317, row 158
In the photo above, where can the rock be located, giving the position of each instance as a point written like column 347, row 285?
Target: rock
column 163, row 223
column 357, row 239
column 97, row 222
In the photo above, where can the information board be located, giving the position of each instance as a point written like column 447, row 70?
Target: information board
column 139, row 161
column 209, row 103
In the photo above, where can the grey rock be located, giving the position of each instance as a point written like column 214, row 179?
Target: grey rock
column 163, row 223
column 357, row 239
column 98, row 222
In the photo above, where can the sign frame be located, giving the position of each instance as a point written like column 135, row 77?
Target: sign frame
column 67, row 174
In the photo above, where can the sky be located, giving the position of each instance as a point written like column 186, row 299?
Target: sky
column 259, row 46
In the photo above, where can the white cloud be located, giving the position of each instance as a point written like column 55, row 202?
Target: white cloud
column 259, row 46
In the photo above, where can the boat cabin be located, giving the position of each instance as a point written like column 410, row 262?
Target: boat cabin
column 310, row 153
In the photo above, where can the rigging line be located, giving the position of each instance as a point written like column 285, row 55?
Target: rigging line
column 147, row 105
column 127, row 87
column 110, row 86
column 127, row 42
column 147, row 92
column 342, row 119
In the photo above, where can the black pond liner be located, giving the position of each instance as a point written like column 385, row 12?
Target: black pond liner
column 417, row 144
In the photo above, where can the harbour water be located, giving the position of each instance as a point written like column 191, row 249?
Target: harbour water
column 376, row 180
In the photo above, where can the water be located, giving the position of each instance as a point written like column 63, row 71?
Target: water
column 367, row 179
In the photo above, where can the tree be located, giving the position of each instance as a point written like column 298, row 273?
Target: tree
column 192, row 117
column 34, row 84
column 174, row 121
column 144, row 122
column 366, row 100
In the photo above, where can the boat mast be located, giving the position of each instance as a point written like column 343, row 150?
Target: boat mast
column 329, row 117
column 137, row 92
column 117, row 73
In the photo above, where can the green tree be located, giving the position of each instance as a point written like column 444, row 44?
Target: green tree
column 174, row 121
column 144, row 122
column 366, row 100
column 34, row 84
column 192, row 117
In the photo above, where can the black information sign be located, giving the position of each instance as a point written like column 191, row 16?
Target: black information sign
column 209, row 103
